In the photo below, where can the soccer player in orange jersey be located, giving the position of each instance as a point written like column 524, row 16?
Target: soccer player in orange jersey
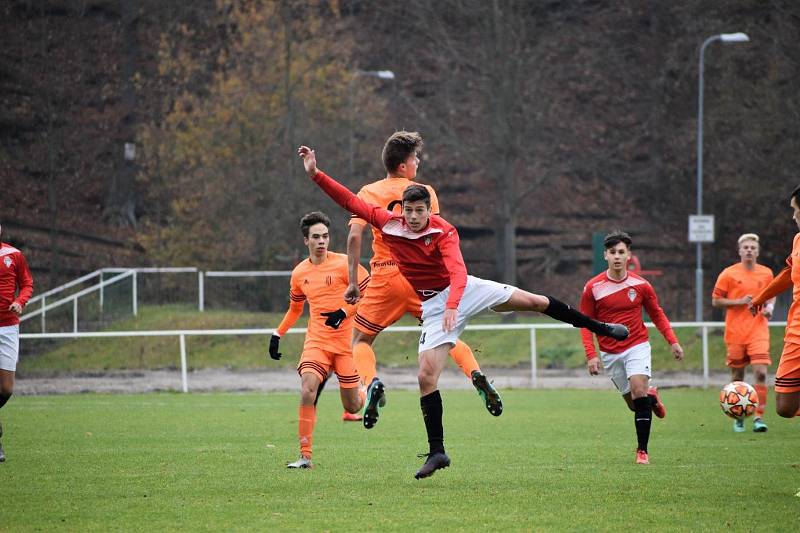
column 787, row 378
column 390, row 295
column 321, row 280
column 746, row 336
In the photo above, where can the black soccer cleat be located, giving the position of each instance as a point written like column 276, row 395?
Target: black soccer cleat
column 494, row 404
column 618, row 332
column 376, row 398
column 434, row 462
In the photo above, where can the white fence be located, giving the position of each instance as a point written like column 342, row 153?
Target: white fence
column 121, row 274
column 533, row 328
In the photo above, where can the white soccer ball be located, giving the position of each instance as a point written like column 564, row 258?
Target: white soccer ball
column 738, row 399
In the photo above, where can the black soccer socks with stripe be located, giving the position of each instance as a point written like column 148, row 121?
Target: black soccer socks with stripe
column 563, row 312
column 431, row 405
column 642, row 416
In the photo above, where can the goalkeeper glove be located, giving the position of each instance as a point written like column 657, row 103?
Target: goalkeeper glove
column 335, row 318
column 273, row 347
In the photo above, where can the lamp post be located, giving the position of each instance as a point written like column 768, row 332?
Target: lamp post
column 725, row 38
column 380, row 74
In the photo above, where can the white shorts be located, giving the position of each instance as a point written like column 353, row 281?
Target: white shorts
column 9, row 347
column 479, row 294
column 620, row 366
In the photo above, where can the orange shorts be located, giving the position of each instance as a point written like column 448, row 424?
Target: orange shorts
column 752, row 353
column 387, row 298
column 787, row 378
column 320, row 362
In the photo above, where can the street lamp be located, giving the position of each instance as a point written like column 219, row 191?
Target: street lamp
column 380, row 74
column 725, row 38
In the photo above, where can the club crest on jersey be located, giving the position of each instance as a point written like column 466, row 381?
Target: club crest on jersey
column 428, row 240
column 328, row 280
column 7, row 261
column 631, row 294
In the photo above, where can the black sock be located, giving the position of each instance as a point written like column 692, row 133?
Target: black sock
column 431, row 405
column 642, row 416
column 320, row 389
column 563, row 312
column 4, row 397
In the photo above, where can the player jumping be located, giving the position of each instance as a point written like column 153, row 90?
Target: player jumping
column 427, row 252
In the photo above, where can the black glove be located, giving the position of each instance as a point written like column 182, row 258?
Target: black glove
column 273, row 347
column 335, row 318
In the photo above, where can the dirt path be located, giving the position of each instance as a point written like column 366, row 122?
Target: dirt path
column 288, row 380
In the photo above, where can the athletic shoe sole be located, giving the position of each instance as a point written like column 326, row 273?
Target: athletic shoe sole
column 494, row 404
column 376, row 398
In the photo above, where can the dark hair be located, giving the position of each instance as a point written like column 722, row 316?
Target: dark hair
column 399, row 147
column 417, row 192
column 616, row 237
column 796, row 195
column 315, row 217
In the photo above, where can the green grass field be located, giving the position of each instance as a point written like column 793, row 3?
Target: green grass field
column 557, row 348
column 555, row 460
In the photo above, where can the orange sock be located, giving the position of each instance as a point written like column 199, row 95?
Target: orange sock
column 761, row 390
column 305, row 428
column 365, row 362
column 462, row 355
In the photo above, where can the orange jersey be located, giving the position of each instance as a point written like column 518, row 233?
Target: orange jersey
column 323, row 286
column 387, row 193
column 793, row 320
column 735, row 282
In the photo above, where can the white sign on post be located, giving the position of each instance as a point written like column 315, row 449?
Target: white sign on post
column 701, row 228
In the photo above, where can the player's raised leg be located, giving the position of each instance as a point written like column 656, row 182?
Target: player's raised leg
column 431, row 363
column 551, row 306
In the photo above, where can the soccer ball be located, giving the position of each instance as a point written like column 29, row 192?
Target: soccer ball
column 738, row 399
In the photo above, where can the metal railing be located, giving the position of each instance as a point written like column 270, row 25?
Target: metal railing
column 533, row 328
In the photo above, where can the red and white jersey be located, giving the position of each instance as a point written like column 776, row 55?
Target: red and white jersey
column 621, row 302
column 430, row 259
column 14, row 274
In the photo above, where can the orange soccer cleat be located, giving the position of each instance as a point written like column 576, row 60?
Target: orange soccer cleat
column 642, row 458
column 351, row 417
column 658, row 408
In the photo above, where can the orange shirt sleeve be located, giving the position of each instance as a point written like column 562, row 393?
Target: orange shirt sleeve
column 297, row 300
column 434, row 201
column 780, row 283
column 722, row 286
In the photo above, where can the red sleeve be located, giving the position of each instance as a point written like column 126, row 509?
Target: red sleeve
column 454, row 262
column 780, row 283
column 340, row 194
column 587, row 308
column 657, row 315
column 297, row 300
column 24, row 280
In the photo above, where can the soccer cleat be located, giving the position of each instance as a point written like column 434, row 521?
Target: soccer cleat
column 351, row 417
column 303, row 462
column 658, row 408
column 618, row 332
column 759, row 426
column 642, row 458
column 494, row 404
column 376, row 398
column 434, row 462
column 738, row 425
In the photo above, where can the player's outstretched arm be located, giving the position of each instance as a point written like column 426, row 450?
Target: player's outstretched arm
column 309, row 160
column 353, row 293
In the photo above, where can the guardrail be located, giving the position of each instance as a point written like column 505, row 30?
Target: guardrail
column 182, row 334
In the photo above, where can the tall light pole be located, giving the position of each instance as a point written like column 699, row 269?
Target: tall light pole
column 381, row 74
column 725, row 38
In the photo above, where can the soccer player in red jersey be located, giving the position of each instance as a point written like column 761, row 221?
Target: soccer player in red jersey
column 787, row 377
column 389, row 295
column 426, row 249
column 16, row 288
column 746, row 336
column 321, row 280
column 618, row 295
